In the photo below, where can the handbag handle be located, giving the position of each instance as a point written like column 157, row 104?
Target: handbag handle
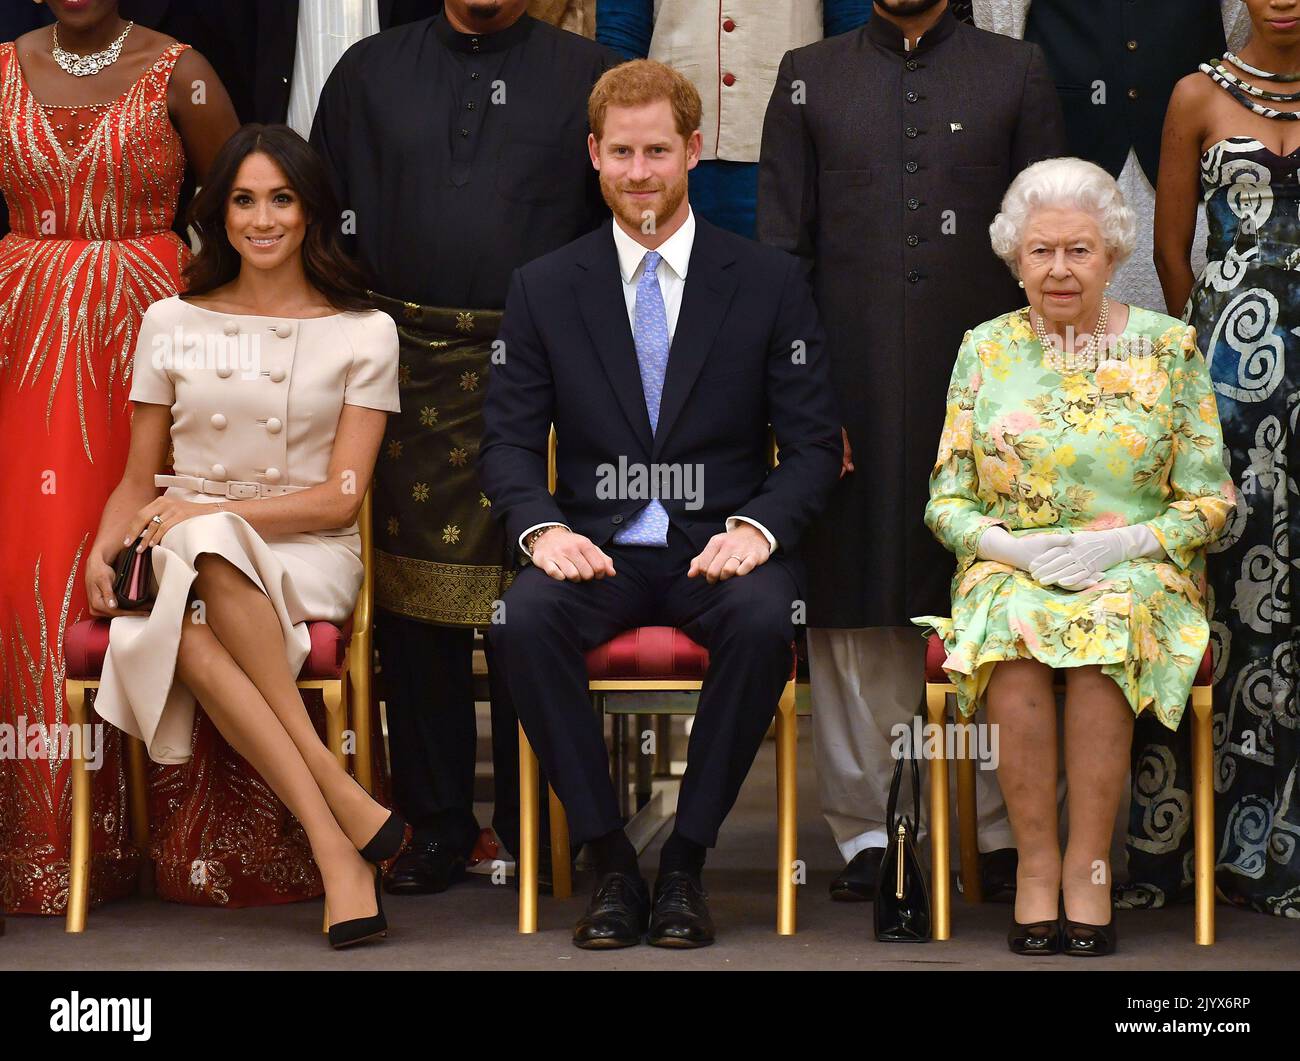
column 894, row 785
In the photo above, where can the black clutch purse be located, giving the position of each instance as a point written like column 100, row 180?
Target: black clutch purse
column 132, row 586
column 902, row 908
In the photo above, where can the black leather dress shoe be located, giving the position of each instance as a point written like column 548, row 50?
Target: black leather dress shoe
column 857, row 881
column 998, row 874
column 616, row 916
column 680, row 917
column 425, row 868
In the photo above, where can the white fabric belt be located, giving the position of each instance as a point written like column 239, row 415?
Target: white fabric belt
column 233, row 489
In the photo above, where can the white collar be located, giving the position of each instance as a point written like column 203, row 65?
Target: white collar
column 675, row 250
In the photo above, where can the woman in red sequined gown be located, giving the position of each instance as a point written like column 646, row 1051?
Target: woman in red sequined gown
column 90, row 168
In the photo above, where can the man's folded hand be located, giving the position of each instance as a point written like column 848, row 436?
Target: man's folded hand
column 734, row 552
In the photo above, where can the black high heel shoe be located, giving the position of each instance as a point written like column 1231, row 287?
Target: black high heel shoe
column 1091, row 941
column 387, row 843
column 359, row 929
column 1037, row 937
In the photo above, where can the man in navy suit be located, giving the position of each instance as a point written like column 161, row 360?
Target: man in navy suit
column 661, row 348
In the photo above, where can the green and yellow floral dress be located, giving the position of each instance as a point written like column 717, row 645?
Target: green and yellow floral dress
column 1137, row 441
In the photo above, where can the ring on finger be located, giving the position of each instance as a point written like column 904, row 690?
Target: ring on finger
column 735, row 557
column 156, row 519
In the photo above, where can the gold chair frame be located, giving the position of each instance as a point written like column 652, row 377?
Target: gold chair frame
column 936, row 698
column 787, row 735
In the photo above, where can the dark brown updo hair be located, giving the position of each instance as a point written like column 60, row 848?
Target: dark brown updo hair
column 328, row 267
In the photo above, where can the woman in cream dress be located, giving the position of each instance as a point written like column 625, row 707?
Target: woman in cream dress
column 273, row 387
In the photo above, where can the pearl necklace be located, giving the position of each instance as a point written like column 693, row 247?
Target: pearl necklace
column 1073, row 360
column 86, row 65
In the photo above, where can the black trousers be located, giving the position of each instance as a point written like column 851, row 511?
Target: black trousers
column 427, row 682
column 746, row 624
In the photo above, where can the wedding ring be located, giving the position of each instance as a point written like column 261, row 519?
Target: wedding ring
column 735, row 557
column 156, row 519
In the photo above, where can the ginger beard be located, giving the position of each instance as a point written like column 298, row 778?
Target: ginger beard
column 632, row 210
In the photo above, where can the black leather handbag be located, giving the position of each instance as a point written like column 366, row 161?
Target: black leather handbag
column 902, row 908
column 132, row 585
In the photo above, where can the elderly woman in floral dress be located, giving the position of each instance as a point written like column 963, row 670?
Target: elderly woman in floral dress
column 1079, row 479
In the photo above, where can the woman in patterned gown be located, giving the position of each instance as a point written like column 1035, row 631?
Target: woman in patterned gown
column 1232, row 138
column 1078, row 489
column 90, row 166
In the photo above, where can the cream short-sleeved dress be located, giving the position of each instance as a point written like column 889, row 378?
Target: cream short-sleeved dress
column 254, row 400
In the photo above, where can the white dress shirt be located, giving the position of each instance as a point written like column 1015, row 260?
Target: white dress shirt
column 326, row 29
column 676, row 254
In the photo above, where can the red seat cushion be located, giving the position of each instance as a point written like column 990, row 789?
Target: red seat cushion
column 86, row 645
column 1205, row 672
column 935, row 654
column 646, row 652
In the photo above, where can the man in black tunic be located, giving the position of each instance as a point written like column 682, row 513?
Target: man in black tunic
column 886, row 152
column 458, row 147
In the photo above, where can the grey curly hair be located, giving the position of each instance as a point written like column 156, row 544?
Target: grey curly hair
column 1065, row 182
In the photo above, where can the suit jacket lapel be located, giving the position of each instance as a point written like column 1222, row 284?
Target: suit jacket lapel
column 705, row 298
column 600, row 298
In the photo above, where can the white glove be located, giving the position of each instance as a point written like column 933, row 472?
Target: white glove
column 998, row 544
column 1080, row 563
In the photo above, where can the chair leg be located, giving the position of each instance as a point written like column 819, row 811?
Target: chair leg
column 359, row 675
column 526, row 857
column 968, row 827
column 1203, row 810
column 621, row 780
column 787, row 747
column 79, row 852
column 936, row 703
column 335, row 720
column 643, row 770
column 137, row 794
column 663, row 764
column 561, row 865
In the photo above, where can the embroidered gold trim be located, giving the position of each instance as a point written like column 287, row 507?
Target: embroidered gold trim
column 449, row 594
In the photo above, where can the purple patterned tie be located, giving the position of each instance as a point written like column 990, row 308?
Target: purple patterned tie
column 650, row 333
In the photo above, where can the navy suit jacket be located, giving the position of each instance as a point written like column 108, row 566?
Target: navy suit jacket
column 747, row 352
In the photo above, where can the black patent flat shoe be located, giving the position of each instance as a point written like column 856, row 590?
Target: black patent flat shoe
column 387, row 843
column 1091, row 941
column 360, row 929
column 1037, row 937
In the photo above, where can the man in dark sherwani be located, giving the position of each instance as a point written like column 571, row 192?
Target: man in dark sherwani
column 459, row 143
column 886, row 152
